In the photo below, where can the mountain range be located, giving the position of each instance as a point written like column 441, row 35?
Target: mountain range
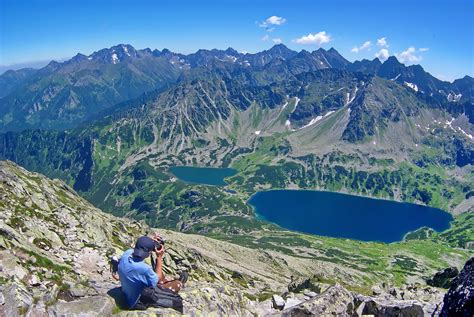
column 67, row 94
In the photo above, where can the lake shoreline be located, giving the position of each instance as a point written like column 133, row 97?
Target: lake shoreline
column 215, row 176
column 398, row 218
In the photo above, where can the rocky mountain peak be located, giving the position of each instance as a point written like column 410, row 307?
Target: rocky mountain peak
column 281, row 51
column 232, row 51
column 392, row 62
column 114, row 54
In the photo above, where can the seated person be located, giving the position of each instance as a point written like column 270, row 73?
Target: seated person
column 141, row 284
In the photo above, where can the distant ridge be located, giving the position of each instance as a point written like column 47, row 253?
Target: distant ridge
column 64, row 94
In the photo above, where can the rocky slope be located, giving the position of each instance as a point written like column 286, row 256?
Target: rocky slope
column 66, row 94
column 53, row 258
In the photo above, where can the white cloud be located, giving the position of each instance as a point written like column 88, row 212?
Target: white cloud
column 266, row 37
column 273, row 20
column 424, row 49
column 277, row 41
column 382, row 55
column 382, row 42
column 364, row 46
column 318, row 38
column 409, row 56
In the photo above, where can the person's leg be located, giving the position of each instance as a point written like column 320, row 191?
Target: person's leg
column 175, row 285
column 146, row 297
column 165, row 295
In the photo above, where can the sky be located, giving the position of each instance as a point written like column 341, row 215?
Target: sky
column 437, row 34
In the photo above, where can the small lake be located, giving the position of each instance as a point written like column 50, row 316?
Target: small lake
column 203, row 175
column 345, row 216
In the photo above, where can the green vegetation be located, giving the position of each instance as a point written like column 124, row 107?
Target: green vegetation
column 336, row 172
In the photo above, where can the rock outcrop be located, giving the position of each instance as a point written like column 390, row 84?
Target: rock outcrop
column 459, row 300
column 443, row 278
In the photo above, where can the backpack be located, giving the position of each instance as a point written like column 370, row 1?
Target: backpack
column 113, row 266
column 159, row 296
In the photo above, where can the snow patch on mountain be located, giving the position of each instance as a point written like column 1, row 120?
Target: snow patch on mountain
column 465, row 133
column 396, row 77
column 125, row 49
column 296, row 103
column 454, row 97
column 349, row 98
column 115, row 58
column 411, row 85
column 315, row 120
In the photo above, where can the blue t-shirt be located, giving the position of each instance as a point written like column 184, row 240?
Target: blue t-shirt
column 134, row 276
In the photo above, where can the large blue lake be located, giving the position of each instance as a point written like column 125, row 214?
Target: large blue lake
column 203, row 175
column 346, row 216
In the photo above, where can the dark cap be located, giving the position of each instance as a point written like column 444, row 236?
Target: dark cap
column 143, row 247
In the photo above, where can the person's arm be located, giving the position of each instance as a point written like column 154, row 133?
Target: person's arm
column 159, row 264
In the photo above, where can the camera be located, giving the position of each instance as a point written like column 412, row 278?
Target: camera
column 159, row 243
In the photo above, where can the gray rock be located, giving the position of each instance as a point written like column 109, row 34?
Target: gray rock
column 290, row 302
column 34, row 280
column 380, row 307
column 334, row 301
column 278, row 302
column 310, row 294
column 376, row 290
column 79, row 290
column 19, row 272
column 432, row 309
column 360, row 309
column 37, row 310
column 15, row 297
column 85, row 307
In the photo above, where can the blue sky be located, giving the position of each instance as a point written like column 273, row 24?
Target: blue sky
column 437, row 34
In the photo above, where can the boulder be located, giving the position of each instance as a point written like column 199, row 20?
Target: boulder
column 80, row 290
column 376, row 290
column 459, row 300
column 310, row 294
column 443, row 278
column 334, row 301
column 34, row 280
column 381, row 307
column 15, row 298
column 290, row 302
column 299, row 284
column 37, row 310
column 278, row 302
column 88, row 306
